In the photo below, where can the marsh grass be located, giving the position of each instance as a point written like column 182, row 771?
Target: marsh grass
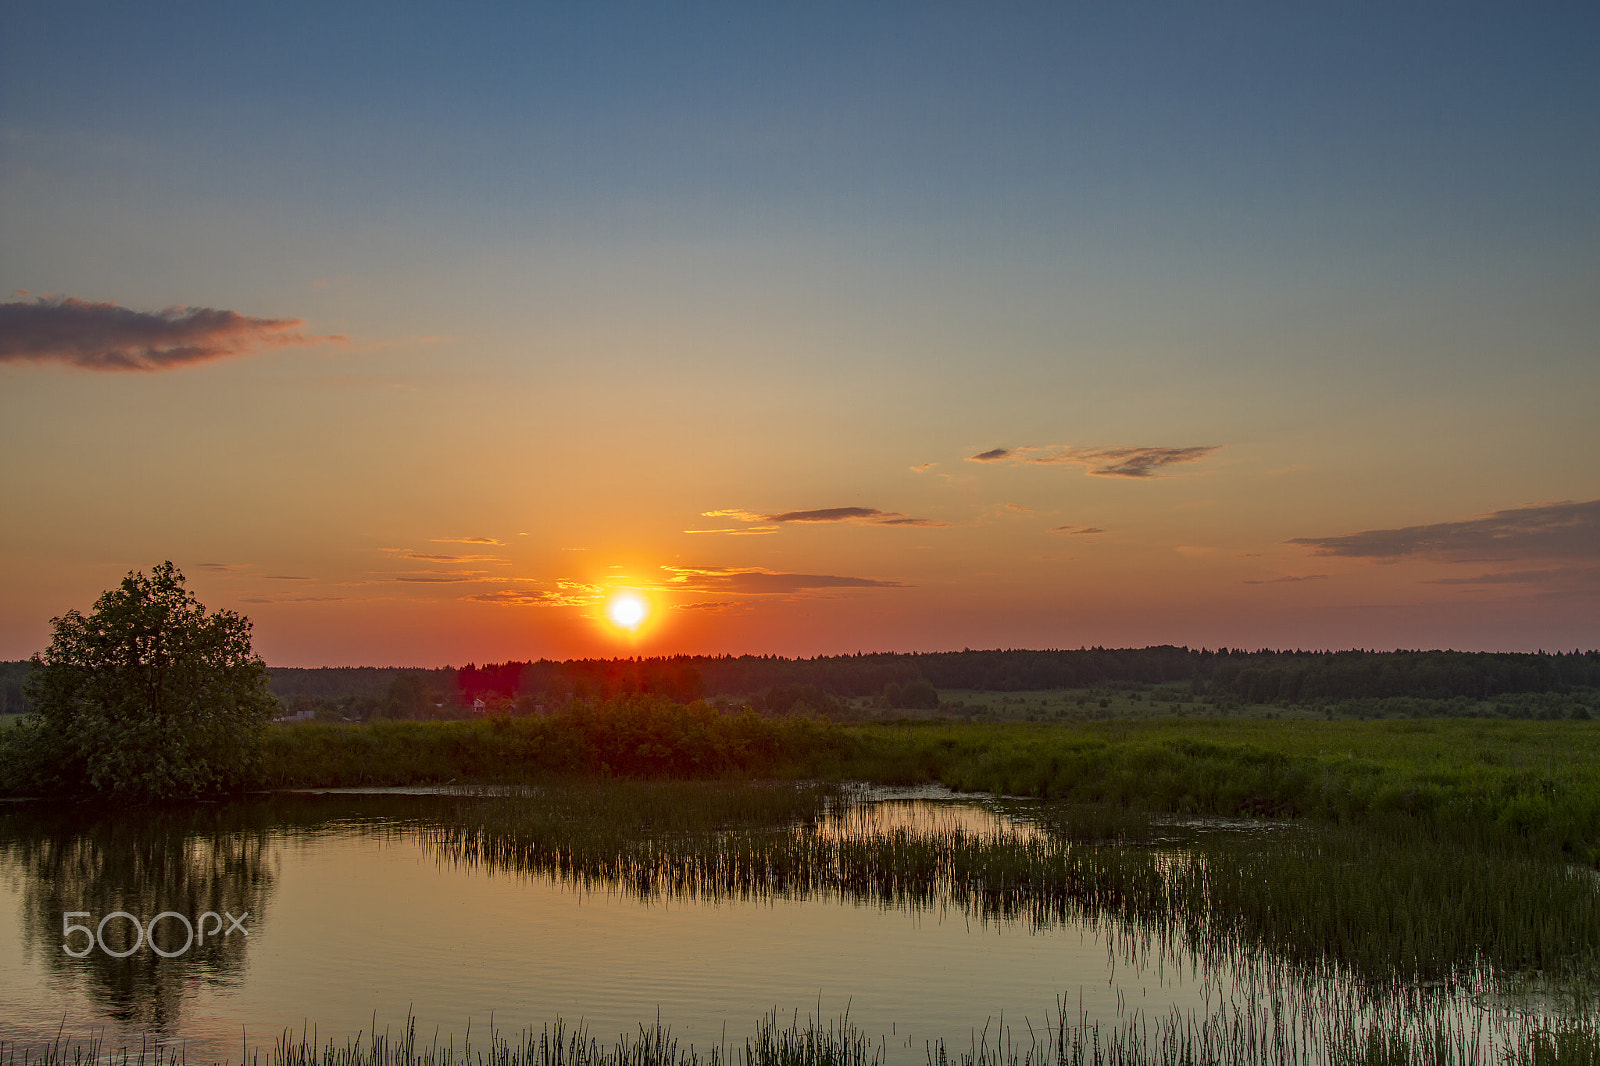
column 1257, row 1026
column 1371, row 942
column 634, row 738
column 1527, row 782
column 1387, row 904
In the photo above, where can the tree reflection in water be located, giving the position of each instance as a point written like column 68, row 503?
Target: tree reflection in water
column 216, row 857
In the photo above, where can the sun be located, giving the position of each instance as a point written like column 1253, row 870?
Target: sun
column 627, row 610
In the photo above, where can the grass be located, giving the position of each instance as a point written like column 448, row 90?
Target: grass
column 1258, row 1027
column 1174, row 700
column 1530, row 781
column 1538, row 781
column 1386, row 906
column 635, row 738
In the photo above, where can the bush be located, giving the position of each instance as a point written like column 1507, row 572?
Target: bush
column 148, row 697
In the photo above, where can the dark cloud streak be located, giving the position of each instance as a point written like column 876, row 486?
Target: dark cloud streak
column 1564, row 530
column 1100, row 462
column 754, row 581
column 107, row 337
column 871, row 516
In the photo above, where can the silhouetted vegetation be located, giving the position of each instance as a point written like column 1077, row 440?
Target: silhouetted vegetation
column 1387, row 905
column 13, row 699
column 1350, row 683
column 1260, row 677
column 1256, row 1026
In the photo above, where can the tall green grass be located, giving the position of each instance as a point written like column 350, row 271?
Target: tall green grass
column 627, row 738
column 1528, row 782
column 1531, row 781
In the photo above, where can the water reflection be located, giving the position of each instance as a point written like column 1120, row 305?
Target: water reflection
column 210, row 859
column 458, row 903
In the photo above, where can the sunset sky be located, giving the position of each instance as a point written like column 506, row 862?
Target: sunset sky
column 417, row 333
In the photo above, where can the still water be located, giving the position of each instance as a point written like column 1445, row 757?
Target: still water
column 355, row 920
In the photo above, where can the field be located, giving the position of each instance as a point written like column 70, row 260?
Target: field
column 1146, row 701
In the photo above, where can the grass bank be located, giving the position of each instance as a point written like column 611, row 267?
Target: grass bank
column 1537, row 781
column 1534, row 781
column 628, row 738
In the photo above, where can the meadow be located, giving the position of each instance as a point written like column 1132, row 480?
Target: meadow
column 1532, row 782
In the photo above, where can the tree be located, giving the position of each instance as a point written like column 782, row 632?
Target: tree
column 408, row 697
column 148, row 697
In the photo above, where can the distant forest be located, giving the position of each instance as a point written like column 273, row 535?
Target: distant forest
column 1254, row 677
column 902, row 679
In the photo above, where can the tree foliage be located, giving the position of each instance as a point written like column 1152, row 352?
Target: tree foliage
column 146, row 697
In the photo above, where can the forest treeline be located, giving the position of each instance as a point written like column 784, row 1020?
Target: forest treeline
column 1248, row 676
column 776, row 684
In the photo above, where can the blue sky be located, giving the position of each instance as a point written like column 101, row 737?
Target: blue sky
column 603, row 268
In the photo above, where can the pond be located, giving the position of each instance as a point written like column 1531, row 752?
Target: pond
column 339, row 913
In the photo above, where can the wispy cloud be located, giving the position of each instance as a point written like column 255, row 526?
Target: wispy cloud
column 1285, row 579
column 438, row 577
column 707, row 605
column 739, row 531
column 1557, row 577
column 1563, row 530
column 829, row 514
column 758, row 581
column 433, row 557
column 922, row 467
column 1076, row 531
column 223, row 568
column 287, row 577
column 871, row 516
column 294, row 599
column 1145, row 462
column 466, row 540
column 531, row 598
column 105, row 336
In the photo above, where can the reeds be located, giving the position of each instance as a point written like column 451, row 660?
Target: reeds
column 1254, row 1027
column 1389, row 904
column 1528, row 782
